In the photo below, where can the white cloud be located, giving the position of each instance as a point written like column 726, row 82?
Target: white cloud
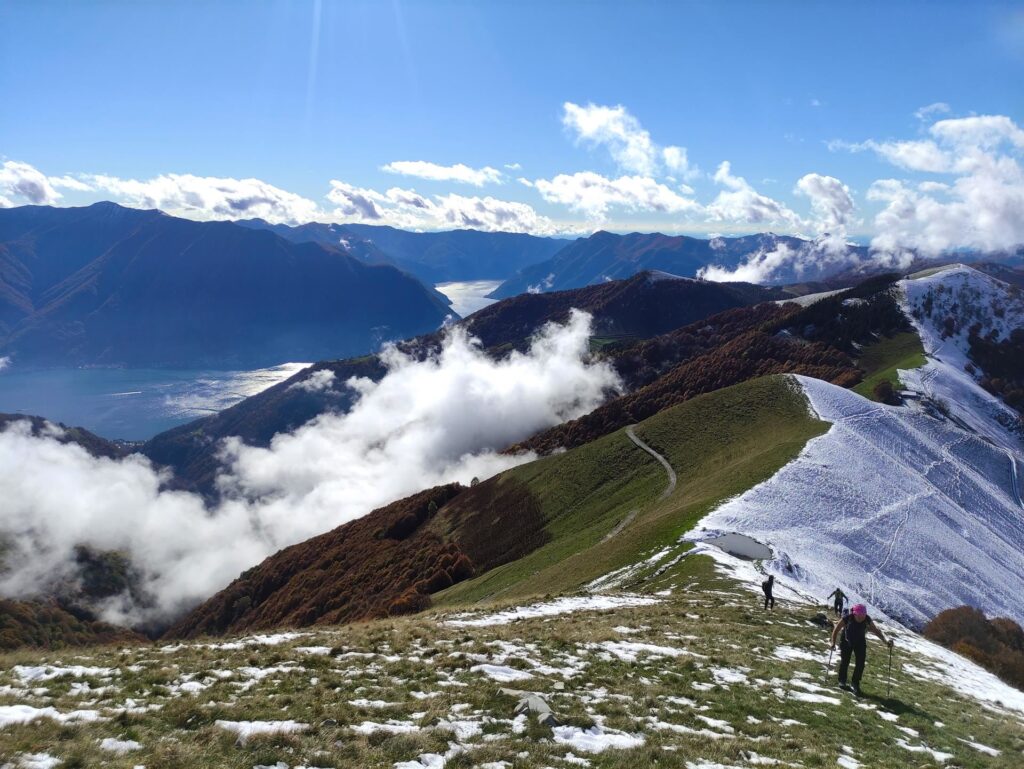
column 318, row 381
column 210, row 197
column 459, row 172
column 979, row 206
column 613, row 127
column 740, row 202
column 427, row 422
column 675, row 160
column 5, row 362
column 831, row 205
column 931, row 110
column 21, row 183
column 781, row 262
column 407, row 208
column 594, row 195
column 984, row 132
column 628, row 142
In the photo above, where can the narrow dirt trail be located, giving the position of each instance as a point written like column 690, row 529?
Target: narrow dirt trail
column 664, row 462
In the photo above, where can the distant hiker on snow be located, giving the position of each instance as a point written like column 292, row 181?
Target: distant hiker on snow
column 841, row 598
column 852, row 629
column 767, row 586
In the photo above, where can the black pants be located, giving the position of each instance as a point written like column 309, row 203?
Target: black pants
column 837, row 606
column 769, row 599
column 860, row 652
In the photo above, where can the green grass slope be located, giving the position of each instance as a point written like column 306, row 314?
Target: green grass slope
column 882, row 360
column 720, row 444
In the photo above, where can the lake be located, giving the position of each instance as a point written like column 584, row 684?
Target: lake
column 131, row 404
column 136, row 404
column 468, row 296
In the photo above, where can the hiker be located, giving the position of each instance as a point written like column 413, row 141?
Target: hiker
column 767, row 586
column 841, row 598
column 853, row 627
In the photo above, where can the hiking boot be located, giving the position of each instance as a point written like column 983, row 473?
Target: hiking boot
column 857, row 691
column 844, row 686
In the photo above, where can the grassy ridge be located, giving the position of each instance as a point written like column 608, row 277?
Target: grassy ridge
column 736, row 682
column 882, row 360
column 720, row 444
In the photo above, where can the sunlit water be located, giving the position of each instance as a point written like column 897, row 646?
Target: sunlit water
column 468, row 296
column 131, row 404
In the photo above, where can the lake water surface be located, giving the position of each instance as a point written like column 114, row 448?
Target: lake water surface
column 468, row 296
column 131, row 404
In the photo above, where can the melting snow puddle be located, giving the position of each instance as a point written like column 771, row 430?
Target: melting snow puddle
column 566, row 605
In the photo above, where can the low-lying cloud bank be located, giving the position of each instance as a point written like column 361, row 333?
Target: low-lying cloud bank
column 427, row 422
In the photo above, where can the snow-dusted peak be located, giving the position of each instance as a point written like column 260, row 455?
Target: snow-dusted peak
column 945, row 304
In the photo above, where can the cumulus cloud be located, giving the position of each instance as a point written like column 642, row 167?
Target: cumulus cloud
column 459, row 172
column 22, row 183
column 5, row 362
column 211, row 197
column 979, row 204
column 740, row 202
column 407, row 208
column 628, row 142
column 594, row 195
column 832, row 210
column 427, row 422
column 831, row 205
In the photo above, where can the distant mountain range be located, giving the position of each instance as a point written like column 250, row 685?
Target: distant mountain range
column 107, row 285
column 433, row 257
column 606, row 256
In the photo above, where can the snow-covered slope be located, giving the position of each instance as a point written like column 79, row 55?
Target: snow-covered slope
column 906, row 509
column 943, row 306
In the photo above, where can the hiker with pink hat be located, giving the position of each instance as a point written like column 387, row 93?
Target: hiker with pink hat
column 853, row 629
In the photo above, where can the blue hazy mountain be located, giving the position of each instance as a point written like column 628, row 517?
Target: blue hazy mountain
column 433, row 257
column 109, row 285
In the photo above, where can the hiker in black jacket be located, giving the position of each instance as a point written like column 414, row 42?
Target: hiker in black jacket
column 841, row 597
column 853, row 629
column 767, row 586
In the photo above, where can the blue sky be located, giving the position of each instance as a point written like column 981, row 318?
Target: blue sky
column 296, row 94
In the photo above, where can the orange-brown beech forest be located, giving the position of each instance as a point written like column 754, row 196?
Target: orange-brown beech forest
column 384, row 564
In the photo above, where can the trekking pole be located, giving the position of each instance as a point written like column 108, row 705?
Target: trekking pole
column 829, row 668
column 888, row 681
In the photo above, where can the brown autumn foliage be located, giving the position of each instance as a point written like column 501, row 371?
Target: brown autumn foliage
column 750, row 355
column 384, row 564
column 49, row 626
column 995, row 644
